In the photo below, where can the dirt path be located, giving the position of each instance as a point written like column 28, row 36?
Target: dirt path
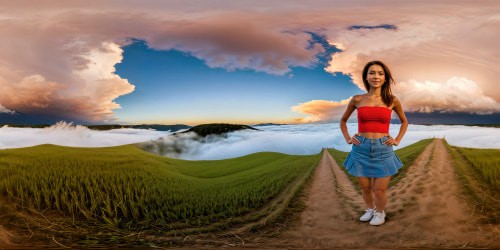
column 425, row 210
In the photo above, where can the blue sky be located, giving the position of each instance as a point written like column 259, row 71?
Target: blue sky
column 173, row 86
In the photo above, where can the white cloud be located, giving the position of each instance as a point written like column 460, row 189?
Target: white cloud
column 5, row 110
column 66, row 134
column 309, row 139
column 85, row 92
column 289, row 139
column 432, row 43
column 457, row 94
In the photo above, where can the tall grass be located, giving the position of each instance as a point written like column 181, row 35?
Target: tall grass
column 128, row 188
column 486, row 162
column 485, row 198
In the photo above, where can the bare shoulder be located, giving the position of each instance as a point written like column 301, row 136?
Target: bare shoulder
column 356, row 99
column 395, row 102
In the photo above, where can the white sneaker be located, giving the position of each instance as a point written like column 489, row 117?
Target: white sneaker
column 378, row 218
column 368, row 215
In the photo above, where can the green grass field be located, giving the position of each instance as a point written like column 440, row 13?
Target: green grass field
column 478, row 172
column 486, row 162
column 127, row 188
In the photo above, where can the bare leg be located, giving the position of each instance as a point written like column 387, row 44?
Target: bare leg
column 379, row 189
column 367, row 187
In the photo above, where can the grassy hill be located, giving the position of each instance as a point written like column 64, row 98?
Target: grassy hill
column 127, row 188
column 217, row 128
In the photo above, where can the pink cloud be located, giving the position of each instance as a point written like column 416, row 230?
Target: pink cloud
column 87, row 95
column 62, row 59
column 320, row 110
column 427, row 47
column 73, row 53
column 242, row 43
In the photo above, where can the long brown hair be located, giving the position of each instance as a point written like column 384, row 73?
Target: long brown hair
column 387, row 96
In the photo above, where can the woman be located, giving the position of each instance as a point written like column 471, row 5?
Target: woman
column 372, row 158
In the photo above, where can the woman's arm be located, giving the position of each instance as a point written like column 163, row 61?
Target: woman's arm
column 343, row 121
column 398, row 108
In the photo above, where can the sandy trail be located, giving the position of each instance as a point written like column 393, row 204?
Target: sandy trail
column 425, row 209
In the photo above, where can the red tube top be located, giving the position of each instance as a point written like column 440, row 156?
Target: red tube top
column 374, row 119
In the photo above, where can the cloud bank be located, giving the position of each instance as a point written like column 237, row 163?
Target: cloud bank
column 289, row 139
column 457, row 94
column 66, row 134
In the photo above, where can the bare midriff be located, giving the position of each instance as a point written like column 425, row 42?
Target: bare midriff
column 373, row 135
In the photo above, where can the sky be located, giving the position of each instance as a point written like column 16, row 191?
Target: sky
column 299, row 139
column 290, row 62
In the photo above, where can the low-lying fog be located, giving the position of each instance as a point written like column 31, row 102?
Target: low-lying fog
column 289, row 139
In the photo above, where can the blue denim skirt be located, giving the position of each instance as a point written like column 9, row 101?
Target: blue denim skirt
column 372, row 158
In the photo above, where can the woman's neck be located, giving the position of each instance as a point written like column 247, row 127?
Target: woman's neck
column 375, row 92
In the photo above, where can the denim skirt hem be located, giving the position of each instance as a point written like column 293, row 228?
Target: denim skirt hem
column 372, row 158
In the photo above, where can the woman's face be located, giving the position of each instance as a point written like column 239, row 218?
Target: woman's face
column 375, row 76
